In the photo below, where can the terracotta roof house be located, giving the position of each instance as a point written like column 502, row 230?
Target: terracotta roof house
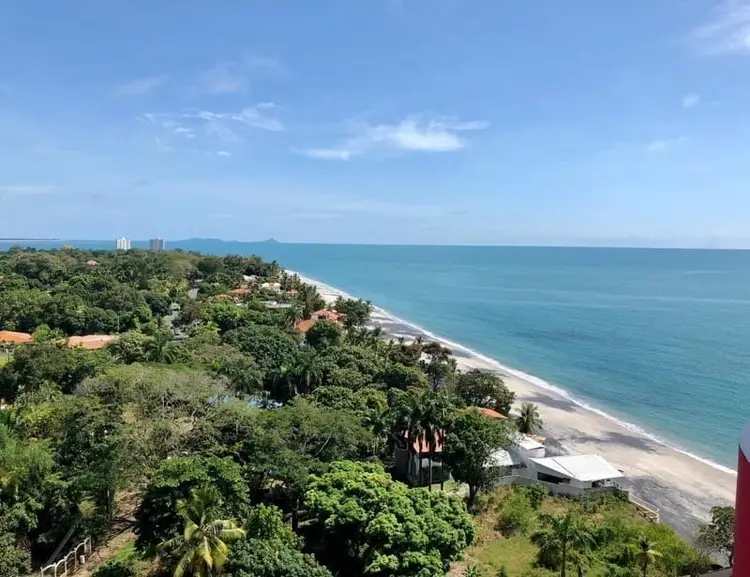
column 488, row 413
column 326, row 315
column 91, row 342
column 14, row 337
column 412, row 459
column 304, row 326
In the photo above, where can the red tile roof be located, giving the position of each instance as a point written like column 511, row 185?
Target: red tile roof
column 14, row 337
column 488, row 412
column 304, row 326
column 328, row 315
column 421, row 445
column 91, row 342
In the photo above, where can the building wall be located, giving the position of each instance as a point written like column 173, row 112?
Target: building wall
column 742, row 507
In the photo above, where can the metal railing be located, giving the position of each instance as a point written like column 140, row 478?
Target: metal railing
column 649, row 511
column 69, row 564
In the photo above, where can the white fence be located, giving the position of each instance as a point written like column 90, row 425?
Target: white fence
column 69, row 564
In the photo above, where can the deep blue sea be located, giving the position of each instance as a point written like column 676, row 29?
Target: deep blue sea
column 657, row 338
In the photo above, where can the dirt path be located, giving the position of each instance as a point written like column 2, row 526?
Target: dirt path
column 106, row 552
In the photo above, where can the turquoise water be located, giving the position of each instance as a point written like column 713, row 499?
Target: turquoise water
column 657, row 338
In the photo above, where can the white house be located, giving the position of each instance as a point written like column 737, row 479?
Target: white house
column 580, row 471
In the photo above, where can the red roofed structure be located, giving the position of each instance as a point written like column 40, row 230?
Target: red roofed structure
column 14, row 337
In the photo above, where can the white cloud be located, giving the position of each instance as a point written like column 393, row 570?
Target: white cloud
column 224, row 78
column 140, row 86
column 663, row 144
column 415, row 133
column 233, row 77
column 186, row 132
column 727, row 31
column 223, row 153
column 29, row 189
column 224, row 127
column 690, row 100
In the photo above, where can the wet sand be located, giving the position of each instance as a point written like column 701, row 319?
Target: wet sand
column 683, row 487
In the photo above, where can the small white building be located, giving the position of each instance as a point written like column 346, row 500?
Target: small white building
column 580, row 471
column 271, row 286
column 123, row 243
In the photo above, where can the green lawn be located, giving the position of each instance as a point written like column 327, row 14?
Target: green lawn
column 518, row 553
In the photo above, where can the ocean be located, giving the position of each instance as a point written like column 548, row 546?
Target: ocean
column 658, row 339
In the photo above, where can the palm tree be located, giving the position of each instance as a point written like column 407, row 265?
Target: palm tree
column 159, row 343
column 309, row 370
column 202, row 548
column 529, row 422
column 646, row 554
column 559, row 536
column 282, row 387
column 436, row 411
column 293, row 315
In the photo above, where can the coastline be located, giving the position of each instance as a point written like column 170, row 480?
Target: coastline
column 684, row 486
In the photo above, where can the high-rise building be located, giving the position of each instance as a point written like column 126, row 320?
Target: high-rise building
column 157, row 244
column 123, row 243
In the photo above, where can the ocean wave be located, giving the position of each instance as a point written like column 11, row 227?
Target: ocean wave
column 529, row 378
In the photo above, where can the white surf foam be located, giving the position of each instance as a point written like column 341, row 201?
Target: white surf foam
column 536, row 381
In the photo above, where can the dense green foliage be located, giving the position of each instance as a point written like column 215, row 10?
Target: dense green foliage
column 366, row 524
column 220, row 423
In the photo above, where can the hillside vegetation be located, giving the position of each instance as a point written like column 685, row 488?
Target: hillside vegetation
column 220, row 429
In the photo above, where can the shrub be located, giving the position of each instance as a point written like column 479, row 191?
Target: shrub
column 536, row 494
column 115, row 568
column 516, row 515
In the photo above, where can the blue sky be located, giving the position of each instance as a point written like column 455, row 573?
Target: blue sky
column 404, row 121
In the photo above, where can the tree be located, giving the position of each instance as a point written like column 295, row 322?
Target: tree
column 719, row 533
column 646, row 554
column 157, row 517
column 481, row 389
column 324, row 334
column 363, row 523
column 529, row 422
column 469, row 446
column 308, row 371
column 202, row 549
column 269, row 346
column 561, row 535
column 35, row 364
column 271, row 549
column 357, row 311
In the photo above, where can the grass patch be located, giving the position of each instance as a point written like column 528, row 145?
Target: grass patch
column 615, row 521
column 517, row 554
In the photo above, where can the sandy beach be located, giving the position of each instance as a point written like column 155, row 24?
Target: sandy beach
column 682, row 486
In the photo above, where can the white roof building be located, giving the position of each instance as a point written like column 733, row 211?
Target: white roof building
column 577, row 470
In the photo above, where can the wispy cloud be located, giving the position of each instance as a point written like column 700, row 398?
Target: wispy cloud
column 233, row 77
column 140, row 86
column 727, row 31
column 690, row 100
column 663, row 144
column 415, row 133
column 224, row 78
column 224, row 127
column 33, row 189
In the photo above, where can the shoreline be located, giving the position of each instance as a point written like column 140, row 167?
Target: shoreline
column 683, row 485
